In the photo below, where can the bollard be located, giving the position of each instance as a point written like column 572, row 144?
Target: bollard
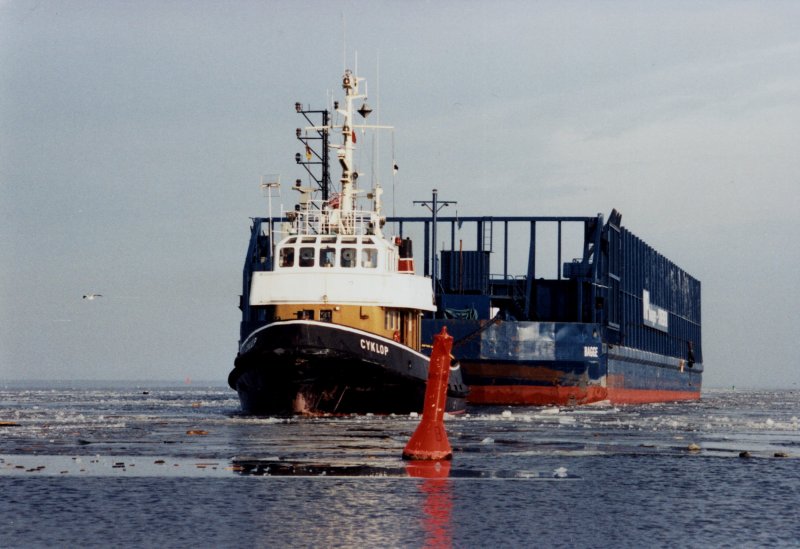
column 429, row 441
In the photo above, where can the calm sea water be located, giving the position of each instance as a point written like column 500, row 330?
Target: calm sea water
column 154, row 466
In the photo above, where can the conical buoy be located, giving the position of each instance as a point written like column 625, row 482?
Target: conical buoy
column 429, row 441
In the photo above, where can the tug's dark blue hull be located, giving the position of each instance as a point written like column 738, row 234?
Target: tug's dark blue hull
column 306, row 366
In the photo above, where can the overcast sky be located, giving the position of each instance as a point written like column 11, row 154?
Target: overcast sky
column 133, row 136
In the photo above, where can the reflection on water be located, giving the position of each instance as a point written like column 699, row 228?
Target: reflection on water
column 627, row 474
column 437, row 507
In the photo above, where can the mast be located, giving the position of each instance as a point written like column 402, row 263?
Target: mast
column 345, row 153
column 434, row 205
column 336, row 214
column 348, row 199
column 314, row 157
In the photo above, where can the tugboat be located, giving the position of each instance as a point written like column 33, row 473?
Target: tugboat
column 332, row 313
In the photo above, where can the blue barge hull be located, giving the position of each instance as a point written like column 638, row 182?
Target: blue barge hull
column 620, row 323
column 543, row 363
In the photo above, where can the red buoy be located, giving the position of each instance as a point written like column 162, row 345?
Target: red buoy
column 429, row 441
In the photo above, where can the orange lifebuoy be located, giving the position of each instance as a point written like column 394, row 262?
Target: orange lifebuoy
column 396, row 336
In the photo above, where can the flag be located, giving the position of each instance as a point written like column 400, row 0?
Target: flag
column 354, row 137
column 308, row 153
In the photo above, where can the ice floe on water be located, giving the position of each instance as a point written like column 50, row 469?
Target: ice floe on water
column 166, row 423
column 600, row 404
column 560, row 472
column 549, row 410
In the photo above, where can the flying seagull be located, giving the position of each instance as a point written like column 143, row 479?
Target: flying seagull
column 91, row 297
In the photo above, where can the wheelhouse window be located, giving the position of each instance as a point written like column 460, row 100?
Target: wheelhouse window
column 369, row 258
column 348, row 257
column 287, row 257
column 327, row 257
column 306, row 257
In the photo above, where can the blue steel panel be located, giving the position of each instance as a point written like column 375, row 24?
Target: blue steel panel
column 568, row 374
column 519, row 341
column 670, row 288
column 645, row 375
column 465, row 271
column 540, row 341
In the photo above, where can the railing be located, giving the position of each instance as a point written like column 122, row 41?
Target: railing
column 313, row 219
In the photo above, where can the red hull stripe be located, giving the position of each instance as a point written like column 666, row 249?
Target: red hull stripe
column 640, row 396
column 534, row 395
column 562, row 396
